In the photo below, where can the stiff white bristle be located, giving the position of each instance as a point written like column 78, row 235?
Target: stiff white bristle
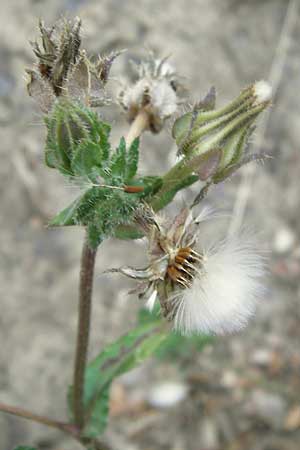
column 224, row 294
column 262, row 91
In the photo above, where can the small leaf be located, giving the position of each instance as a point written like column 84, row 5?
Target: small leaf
column 117, row 358
column 99, row 417
column 174, row 346
column 66, row 216
column 118, row 160
column 132, row 160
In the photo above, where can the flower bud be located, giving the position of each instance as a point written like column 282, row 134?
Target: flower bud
column 215, row 141
column 67, row 125
column 64, row 70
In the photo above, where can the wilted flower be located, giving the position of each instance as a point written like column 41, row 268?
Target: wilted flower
column 154, row 92
column 215, row 141
column 63, row 70
column 202, row 289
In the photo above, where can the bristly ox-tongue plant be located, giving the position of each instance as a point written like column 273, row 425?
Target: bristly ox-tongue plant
column 197, row 285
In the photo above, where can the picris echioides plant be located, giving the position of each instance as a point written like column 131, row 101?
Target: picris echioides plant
column 200, row 286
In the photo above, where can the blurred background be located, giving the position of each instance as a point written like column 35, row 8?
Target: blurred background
column 236, row 393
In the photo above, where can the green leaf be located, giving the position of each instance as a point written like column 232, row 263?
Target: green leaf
column 66, row 216
column 24, row 447
column 180, row 348
column 132, row 160
column 99, row 418
column 118, row 160
column 117, row 358
column 174, row 347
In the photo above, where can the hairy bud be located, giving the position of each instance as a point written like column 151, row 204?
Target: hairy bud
column 67, row 125
column 215, row 141
column 64, row 70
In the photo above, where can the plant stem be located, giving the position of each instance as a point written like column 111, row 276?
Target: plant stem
column 83, row 331
column 176, row 178
column 140, row 124
column 62, row 426
column 20, row 412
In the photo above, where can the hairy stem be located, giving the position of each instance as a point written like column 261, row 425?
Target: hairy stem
column 83, row 331
column 20, row 412
column 140, row 124
column 176, row 178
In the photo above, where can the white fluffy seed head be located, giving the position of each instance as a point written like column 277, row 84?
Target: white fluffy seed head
column 262, row 91
column 224, row 294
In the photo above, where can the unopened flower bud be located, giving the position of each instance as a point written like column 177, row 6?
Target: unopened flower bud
column 215, row 141
column 67, row 125
column 64, row 70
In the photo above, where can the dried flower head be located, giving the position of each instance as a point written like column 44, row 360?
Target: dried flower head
column 155, row 91
column 64, row 70
column 201, row 289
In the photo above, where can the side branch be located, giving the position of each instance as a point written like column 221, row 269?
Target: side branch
column 20, row 412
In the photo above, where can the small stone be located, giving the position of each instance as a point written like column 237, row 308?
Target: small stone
column 229, row 379
column 262, row 357
column 166, row 395
column 209, row 439
column 292, row 421
column 284, row 240
column 268, row 407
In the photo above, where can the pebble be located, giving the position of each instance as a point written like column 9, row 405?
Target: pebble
column 292, row 421
column 262, row 357
column 209, row 436
column 166, row 395
column 229, row 379
column 268, row 407
column 284, row 240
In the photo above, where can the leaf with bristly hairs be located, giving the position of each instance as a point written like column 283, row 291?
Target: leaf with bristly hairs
column 132, row 160
column 117, row 358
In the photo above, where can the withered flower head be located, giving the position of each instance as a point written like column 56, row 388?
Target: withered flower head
column 64, row 70
column 202, row 290
column 155, row 91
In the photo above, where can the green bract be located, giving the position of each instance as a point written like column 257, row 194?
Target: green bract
column 69, row 125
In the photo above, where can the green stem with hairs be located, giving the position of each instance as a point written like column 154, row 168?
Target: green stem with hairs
column 84, row 318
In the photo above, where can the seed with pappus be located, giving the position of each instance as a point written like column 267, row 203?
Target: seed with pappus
column 201, row 288
column 155, row 93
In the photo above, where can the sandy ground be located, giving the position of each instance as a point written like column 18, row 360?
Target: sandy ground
column 242, row 391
